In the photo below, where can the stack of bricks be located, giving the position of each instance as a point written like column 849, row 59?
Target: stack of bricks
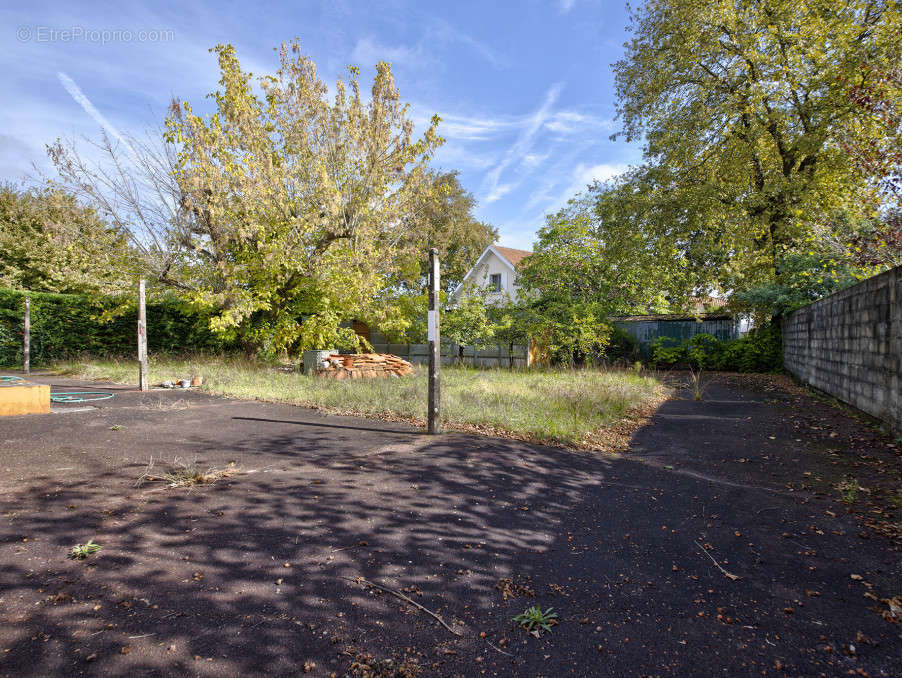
column 363, row 366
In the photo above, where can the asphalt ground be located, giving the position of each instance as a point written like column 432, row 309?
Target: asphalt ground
column 714, row 546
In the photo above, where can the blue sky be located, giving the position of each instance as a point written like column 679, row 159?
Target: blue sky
column 525, row 89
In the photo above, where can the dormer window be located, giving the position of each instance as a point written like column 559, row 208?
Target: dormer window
column 495, row 282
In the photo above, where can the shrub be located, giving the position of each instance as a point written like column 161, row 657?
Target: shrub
column 622, row 346
column 67, row 325
column 667, row 352
column 759, row 351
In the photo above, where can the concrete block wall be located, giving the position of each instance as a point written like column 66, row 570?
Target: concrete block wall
column 492, row 356
column 849, row 345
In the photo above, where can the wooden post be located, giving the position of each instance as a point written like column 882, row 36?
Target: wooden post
column 26, row 348
column 435, row 344
column 142, row 338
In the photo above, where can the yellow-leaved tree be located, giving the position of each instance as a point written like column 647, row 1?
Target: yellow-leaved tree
column 303, row 204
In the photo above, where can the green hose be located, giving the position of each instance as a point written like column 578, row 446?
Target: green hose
column 79, row 396
column 4, row 380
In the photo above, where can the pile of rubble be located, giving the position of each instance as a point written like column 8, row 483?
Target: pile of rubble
column 362, row 366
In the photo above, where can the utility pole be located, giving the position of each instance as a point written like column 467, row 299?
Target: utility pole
column 26, row 348
column 142, row 337
column 435, row 344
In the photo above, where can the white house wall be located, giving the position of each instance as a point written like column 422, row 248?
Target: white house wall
column 492, row 264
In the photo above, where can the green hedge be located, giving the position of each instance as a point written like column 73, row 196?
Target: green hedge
column 67, row 325
column 759, row 351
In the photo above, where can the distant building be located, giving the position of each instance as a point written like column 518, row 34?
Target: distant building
column 495, row 270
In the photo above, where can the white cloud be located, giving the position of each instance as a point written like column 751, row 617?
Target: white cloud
column 473, row 128
column 368, row 52
column 564, row 6
column 521, row 146
column 567, row 122
column 533, row 160
column 583, row 176
column 499, row 192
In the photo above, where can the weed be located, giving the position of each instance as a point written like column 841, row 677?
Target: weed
column 848, row 489
column 535, row 619
column 82, row 551
column 115, row 427
column 698, row 386
column 186, row 474
column 547, row 405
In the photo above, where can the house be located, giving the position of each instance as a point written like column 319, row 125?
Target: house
column 495, row 270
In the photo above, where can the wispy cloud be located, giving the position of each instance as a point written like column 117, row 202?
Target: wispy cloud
column 583, row 176
column 565, row 122
column 520, row 148
column 369, row 51
column 467, row 128
column 564, row 6
column 89, row 108
column 423, row 53
column 533, row 160
column 446, row 33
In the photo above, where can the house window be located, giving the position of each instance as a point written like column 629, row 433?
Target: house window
column 495, row 282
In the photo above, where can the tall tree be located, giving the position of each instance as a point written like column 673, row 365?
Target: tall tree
column 445, row 220
column 601, row 255
column 302, row 204
column 131, row 184
column 49, row 242
column 741, row 106
column 604, row 248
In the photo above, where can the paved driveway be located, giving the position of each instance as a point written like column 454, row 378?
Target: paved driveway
column 706, row 550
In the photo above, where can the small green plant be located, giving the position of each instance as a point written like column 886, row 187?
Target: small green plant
column 82, row 551
column 535, row 619
column 115, row 427
column 637, row 367
column 848, row 489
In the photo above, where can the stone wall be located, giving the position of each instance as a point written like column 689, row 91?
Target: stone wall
column 849, row 345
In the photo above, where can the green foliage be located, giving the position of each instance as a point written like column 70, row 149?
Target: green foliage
column 50, row 242
column 760, row 351
column 622, row 346
column 596, row 258
column 67, row 325
column 305, row 206
column 848, row 488
column 469, row 321
column 535, row 619
column 445, row 221
column 804, row 276
column 668, row 352
column 565, row 331
column 555, row 405
column 743, row 108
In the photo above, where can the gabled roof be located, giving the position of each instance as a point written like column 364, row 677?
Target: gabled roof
column 508, row 255
column 513, row 256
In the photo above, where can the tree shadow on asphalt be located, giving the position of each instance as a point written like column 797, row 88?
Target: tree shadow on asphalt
column 255, row 575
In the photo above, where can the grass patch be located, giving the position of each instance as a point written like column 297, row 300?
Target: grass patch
column 186, row 474
column 547, row 405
